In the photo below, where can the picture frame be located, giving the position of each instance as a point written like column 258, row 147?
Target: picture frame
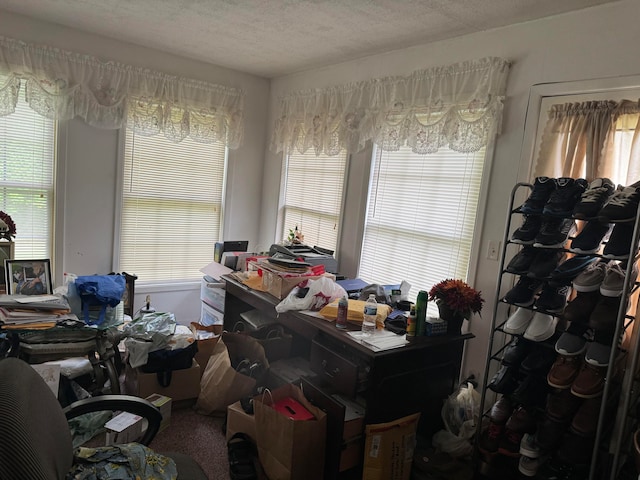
column 6, row 253
column 28, row 277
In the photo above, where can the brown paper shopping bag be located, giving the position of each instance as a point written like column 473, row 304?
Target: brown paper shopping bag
column 288, row 448
column 221, row 384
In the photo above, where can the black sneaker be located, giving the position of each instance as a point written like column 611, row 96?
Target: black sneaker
column 553, row 298
column 520, row 263
column 567, row 194
column 555, row 232
column 591, row 237
column 526, row 234
column 523, row 292
column 619, row 244
column 546, row 262
column 516, row 351
column 594, row 198
column 543, row 187
column 622, row 206
column 571, row 268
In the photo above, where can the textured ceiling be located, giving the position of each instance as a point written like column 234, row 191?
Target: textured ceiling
column 271, row 38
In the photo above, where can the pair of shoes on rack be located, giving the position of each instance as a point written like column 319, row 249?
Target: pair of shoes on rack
column 622, row 206
column 534, row 326
column 552, row 295
column 544, row 232
column 535, row 263
column 606, row 276
column 554, row 196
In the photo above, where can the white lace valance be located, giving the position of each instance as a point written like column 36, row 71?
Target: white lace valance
column 64, row 85
column 458, row 105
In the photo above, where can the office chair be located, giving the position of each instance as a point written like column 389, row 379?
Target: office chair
column 35, row 440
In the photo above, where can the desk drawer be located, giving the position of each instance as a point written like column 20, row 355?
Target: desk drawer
column 341, row 373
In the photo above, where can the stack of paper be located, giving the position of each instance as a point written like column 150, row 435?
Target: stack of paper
column 30, row 310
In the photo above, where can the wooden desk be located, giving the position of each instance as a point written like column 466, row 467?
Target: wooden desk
column 417, row 377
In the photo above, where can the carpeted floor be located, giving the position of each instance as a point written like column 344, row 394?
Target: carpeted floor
column 198, row 436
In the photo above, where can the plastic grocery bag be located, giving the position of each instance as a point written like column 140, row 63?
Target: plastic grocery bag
column 460, row 413
column 312, row 295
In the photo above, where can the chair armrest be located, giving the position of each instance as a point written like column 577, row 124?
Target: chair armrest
column 126, row 403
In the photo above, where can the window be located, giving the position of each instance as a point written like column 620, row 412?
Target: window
column 27, row 146
column 171, row 206
column 620, row 158
column 420, row 217
column 313, row 197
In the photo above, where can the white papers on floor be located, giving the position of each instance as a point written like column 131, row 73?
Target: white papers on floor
column 379, row 340
column 51, row 375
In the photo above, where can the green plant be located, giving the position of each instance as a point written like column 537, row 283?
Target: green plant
column 458, row 296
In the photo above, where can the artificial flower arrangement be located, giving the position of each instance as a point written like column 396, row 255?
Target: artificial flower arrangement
column 7, row 227
column 458, row 296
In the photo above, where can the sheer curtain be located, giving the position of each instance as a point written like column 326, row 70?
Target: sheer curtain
column 592, row 139
column 63, row 85
column 459, row 106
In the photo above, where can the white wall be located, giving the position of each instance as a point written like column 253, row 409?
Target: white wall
column 88, row 159
column 590, row 44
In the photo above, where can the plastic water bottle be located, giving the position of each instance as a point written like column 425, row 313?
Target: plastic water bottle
column 370, row 314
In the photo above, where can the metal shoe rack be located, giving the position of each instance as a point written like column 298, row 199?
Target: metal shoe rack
column 613, row 444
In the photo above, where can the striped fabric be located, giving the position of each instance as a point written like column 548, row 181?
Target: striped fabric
column 35, row 442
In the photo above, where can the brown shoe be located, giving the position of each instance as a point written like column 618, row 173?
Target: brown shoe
column 585, row 421
column 501, row 410
column 590, row 381
column 562, row 405
column 564, row 371
column 521, row 421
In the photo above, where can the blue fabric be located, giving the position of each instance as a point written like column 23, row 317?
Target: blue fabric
column 102, row 290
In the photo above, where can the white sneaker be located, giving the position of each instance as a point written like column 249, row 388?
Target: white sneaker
column 518, row 322
column 541, row 327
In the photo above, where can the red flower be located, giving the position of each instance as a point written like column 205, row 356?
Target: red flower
column 458, row 296
column 11, row 227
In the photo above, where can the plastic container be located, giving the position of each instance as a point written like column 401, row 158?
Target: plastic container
column 411, row 324
column 370, row 314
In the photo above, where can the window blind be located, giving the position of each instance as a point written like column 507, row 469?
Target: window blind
column 420, row 217
column 313, row 197
column 27, row 146
column 171, row 206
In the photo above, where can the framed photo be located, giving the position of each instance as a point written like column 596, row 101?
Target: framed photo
column 28, row 277
column 6, row 253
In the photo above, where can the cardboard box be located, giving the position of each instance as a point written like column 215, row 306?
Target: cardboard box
column 123, row 428
column 185, row 383
column 207, row 337
column 351, row 455
column 240, row 421
column 164, row 405
column 353, row 417
column 389, row 448
column 279, row 285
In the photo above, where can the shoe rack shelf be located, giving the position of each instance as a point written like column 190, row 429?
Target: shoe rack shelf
column 613, row 435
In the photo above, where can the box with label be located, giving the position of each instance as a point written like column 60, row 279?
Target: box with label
column 240, row 421
column 164, row 405
column 123, row 428
column 389, row 447
column 185, row 383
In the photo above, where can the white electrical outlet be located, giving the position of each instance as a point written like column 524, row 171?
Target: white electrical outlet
column 493, row 250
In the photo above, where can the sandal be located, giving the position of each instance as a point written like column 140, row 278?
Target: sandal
column 242, row 457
